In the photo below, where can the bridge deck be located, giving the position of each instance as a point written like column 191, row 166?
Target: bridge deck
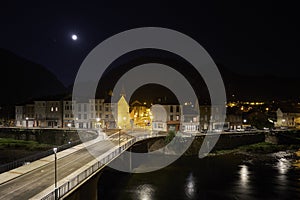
column 27, row 181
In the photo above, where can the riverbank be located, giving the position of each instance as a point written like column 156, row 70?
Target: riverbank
column 257, row 148
column 12, row 149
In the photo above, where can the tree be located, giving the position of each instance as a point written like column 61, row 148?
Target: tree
column 260, row 120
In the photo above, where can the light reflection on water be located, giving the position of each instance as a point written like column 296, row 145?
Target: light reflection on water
column 144, row 192
column 283, row 165
column 268, row 177
column 190, row 186
column 244, row 176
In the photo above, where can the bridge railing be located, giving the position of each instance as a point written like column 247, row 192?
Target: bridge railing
column 107, row 157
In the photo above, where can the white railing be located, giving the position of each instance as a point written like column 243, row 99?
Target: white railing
column 107, row 157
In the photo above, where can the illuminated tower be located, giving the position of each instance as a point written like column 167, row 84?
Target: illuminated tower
column 123, row 112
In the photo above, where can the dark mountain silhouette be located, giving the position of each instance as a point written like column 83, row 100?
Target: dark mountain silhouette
column 243, row 87
column 259, row 87
column 22, row 80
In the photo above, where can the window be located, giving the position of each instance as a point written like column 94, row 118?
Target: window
column 92, row 115
column 56, row 109
column 177, row 109
column 79, row 116
column 79, row 107
column 52, row 109
column 84, row 108
column 96, row 107
column 177, row 117
column 171, row 109
column 171, row 117
column 106, row 109
column 85, row 116
column 100, row 108
column 106, row 116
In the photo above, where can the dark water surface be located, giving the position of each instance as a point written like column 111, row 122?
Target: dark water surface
column 271, row 176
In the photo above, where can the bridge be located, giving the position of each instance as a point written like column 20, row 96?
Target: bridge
column 74, row 166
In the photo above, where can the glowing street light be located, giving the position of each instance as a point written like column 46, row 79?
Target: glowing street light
column 27, row 122
column 98, row 122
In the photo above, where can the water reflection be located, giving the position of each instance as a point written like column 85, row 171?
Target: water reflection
column 244, row 175
column 145, row 192
column 190, row 186
column 283, row 165
column 227, row 178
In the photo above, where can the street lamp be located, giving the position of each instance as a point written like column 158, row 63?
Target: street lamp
column 26, row 122
column 98, row 120
column 55, row 172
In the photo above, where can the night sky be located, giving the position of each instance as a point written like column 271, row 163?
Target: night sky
column 251, row 38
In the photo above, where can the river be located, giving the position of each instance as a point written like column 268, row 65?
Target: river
column 270, row 176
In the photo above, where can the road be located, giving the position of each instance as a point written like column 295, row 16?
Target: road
column 34, row 182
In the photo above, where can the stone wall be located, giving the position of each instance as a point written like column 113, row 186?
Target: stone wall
column 226, row 141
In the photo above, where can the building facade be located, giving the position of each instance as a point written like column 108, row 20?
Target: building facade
column 68, row 114
column 289, row 118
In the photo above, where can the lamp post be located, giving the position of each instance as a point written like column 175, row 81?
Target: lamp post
column 98, row 121
column 55, row 173
column 69, row 125
column 26, row 122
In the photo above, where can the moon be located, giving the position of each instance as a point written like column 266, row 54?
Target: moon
column 74, row 37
